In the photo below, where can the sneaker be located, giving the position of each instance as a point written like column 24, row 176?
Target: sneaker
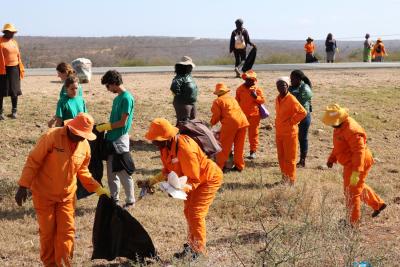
column 128, row 205
column 235, row 169
column 12, row 115
column 301, row 163
column 238, row 74
column 187, row 250
column 226, row 170
column 252, row 155
column 377, row 212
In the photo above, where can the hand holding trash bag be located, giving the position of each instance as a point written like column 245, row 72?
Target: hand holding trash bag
column 21, row 195
column 104, row 127
column 103, row 191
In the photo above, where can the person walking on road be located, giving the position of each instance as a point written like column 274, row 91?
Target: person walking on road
column 368, row 45
column 239, row 40
column 379, row 51
column 330, row 48
column 309, row 47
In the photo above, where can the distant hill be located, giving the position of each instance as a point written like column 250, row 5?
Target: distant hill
column 39, row 52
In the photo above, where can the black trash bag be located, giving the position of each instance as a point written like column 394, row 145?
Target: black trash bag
column 117, row 234
column 96, row 163
column 250, row 59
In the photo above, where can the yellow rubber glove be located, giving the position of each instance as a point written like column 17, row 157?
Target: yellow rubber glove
column 156, row 179
column 354, row 178
column 103, row 191
column 104, row 127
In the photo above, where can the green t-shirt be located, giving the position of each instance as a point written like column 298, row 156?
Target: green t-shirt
column 123, row 103
column 69, row 108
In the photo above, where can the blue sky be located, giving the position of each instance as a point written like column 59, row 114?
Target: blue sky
column 265, row 19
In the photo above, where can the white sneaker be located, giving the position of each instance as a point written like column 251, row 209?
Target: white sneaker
column 252, row 155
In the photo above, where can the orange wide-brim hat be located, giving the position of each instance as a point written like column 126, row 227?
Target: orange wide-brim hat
column 334, row 115
column 161, row 130
column 220, row 89
column 82, row 125
column 250, row 74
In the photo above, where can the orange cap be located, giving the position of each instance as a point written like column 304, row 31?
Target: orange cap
column 82, row 125
column 221, row 89
column 250, row 74
column 161, row 130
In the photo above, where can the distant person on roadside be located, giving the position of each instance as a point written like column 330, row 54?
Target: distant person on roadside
column 330, row 48
column 368, row 45
column 11, row 70
column 350, row 150
column 249, row 96
column 226, row 109
column 309, row 47
column 288, row 113
column 379, row 51
column 64, row 70
column 301, row 88
column 239, row 40
column 184, row 90
column 60, row 157
column 117, row 136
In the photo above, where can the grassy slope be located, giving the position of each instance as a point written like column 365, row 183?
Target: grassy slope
column 250, row 221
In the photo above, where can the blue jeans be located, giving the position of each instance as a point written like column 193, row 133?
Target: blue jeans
column 304, row 125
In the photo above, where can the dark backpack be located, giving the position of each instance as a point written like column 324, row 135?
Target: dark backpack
column 378, row 49
column 201, row 134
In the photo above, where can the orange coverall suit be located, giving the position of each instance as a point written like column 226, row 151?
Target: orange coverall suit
column 50, row 172
column 205, row 178
column 249, row 106
column 289, row 112
column 350, row 150
column 233, row 131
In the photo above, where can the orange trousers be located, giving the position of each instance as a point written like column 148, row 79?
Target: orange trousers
column 286, row 146
column 56, row 230
column 229, row 136
column 254, row 124
column 360, row 192
column 196, row 208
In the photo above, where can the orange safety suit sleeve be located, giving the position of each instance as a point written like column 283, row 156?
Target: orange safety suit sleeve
column 260, row 96
column 357, row 145
column 190, row 165
column 299, row 113
column 86, row 177
column 216, row 113
column 35, row 160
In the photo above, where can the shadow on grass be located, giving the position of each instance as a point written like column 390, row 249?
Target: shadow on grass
column 268, row 164
column 59, row 82
column 240, row 186
column 16, row 213
column 147, row 171
column 141, row 145
column 249, row 238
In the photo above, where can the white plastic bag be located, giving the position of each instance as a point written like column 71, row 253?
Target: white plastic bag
column 83, row 69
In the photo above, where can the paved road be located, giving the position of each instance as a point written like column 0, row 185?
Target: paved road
column 259, row 67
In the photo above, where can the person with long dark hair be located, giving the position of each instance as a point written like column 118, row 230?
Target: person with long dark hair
column 184, row 90
column 301, row 88
column 330, row 48
column 11, row 69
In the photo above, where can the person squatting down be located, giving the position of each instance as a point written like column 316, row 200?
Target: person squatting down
column 117, row 136
column 350, row 150
column 51, row 170
column 226, row 109
column 250, row 96
column 289, row 112
column 181, row 154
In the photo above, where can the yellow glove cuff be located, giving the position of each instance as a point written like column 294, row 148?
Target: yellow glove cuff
column 354, row 178
column 104, row 127
column 102, row 191
column 159, row 177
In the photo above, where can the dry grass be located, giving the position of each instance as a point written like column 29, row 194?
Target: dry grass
column 252, row 222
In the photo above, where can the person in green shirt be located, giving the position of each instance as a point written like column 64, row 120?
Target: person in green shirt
column 117, row 128
column 301, row 89
column 70, row 106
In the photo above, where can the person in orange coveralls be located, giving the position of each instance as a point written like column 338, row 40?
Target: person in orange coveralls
column 181, row 154
column 249, row 97
column 61, row 155
column 233, row 131
column 350, row 149
column 289, row 112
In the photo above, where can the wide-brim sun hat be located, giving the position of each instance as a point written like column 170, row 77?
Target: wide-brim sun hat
column 334, row 115
column 185, row 60
column 161, row 130
column 220, row 89
column 82, row 125
column 249, row 75
column 309, row 39
column 9, row 27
